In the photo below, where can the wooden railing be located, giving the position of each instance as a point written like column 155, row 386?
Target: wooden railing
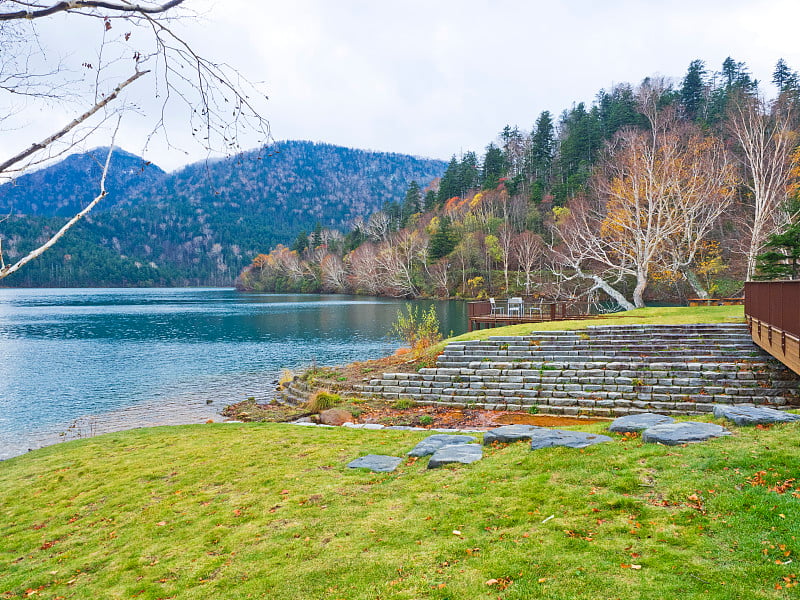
column 480, row 313
column 772, row 310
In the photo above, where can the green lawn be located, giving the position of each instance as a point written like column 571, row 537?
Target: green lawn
column 670, row 315
column 270, row 511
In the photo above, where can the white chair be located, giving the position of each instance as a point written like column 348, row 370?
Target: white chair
column 515, row 306
column 535, row 309
column 496, row 310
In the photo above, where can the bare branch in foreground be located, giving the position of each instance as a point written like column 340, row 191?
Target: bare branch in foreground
column 8, row 270
column 76, row 5
column 71, row 125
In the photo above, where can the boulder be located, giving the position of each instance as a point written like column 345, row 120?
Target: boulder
column 547, row 438
column 510, row 433
column 638, row 422
column 460, row 453
column 673, row 434
column 753, row 415
column 433, row 442
column 335, row 416
column 376, row 462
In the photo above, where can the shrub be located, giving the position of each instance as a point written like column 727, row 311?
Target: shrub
column 419, row 329
column 426, row 420
column 403, row 403
column 322, row 400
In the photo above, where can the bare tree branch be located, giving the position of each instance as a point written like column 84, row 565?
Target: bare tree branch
column 71, row 125
column 8, row 270
column 77, row 5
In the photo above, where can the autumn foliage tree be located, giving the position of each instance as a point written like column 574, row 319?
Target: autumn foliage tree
column 653, row 200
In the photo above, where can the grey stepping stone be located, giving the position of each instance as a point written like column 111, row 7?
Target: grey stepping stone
column 547, row 438
column 433, row 442
column 460, row 453
column 638, row 422
column 510, row 433
column 376, row 462
column 753, row 415
column 673, row 434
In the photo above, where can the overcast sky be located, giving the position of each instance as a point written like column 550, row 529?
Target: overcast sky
column 437, row 77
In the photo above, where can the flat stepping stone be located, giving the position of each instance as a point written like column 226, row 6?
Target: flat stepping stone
column 753, row 415
column 640, row 422
column 376, row 462
column 510, row 433
column 547, row 438
column 673, row 434
column 460, row 453
column 432, row 443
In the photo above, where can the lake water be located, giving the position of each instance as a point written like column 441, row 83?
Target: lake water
column 79, row 362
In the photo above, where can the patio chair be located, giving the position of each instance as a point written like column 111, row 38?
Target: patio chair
column 535, row 309
column 496, row 310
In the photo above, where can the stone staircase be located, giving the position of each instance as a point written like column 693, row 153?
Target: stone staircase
column 602, row 371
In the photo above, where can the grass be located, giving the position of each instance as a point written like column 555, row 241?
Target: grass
column 270, row 511
column 669, row 315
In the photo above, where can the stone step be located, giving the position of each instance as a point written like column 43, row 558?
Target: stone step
column 609, row 371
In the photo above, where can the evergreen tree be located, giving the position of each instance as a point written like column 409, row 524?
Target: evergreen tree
column 412, row 204
column 618, row 109
column 784, row 78
column 469, row 174
column 541, row 147
column 353, row 239
column 581, row 140
column 494, row 167
column 735, row 80
column 782, row 261
column 443, row 241
column 394, row 211
column 735, row 74
column 692, row 93
column 300, row 242
column 450, row 184
column 316, row 236
column 430, row 200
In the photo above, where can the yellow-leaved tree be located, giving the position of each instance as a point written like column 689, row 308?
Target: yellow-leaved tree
column 652, row 201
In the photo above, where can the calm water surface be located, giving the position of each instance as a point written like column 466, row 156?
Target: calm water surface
column 78, row 362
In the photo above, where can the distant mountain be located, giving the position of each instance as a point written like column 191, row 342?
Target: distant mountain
column 199, row 225
column 64, row 188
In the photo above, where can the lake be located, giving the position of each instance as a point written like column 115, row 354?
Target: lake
column 77, row 362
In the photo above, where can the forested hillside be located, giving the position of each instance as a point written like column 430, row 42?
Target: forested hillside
column 655, row 191
column 64, row 188
column 200, row 225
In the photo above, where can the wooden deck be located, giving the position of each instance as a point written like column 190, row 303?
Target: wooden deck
column 481, row 316
column 772, row 310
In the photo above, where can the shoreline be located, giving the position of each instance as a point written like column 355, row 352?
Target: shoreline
column 147, row 414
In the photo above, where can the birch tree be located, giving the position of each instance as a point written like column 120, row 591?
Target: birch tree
column 397, row 260
column 528, row 250
column 766, row 138
column 653, row 200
